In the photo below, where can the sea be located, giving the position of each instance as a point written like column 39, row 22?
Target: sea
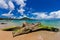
column 52, row 23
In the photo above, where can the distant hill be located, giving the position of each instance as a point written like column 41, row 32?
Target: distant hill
column 6, row 18
column 25, row 18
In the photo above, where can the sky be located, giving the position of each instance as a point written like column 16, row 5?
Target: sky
column 35, row 9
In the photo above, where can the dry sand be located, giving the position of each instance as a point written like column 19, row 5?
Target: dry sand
column 39, row 35
column 6, row 35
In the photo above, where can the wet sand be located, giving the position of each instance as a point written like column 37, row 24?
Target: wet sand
column 39, row 35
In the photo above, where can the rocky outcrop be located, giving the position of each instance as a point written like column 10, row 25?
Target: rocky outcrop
column 3, row 23
column 27, row 28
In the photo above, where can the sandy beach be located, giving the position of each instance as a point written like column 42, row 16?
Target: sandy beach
column 6, row 35
column 39, row 35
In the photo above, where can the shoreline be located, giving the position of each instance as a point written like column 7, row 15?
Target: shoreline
column 34, row 35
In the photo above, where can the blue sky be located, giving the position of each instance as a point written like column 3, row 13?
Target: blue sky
column 37, row 9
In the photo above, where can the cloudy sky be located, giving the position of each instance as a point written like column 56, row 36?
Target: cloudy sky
column 37, row 9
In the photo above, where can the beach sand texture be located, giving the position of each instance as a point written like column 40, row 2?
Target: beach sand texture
column 6, row 35
column 39, row 35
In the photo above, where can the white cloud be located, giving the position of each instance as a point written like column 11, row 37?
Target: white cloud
column 20, row 2
column 9, row 14
column 21, row 11
column 13, row 17
column 54, row 14
column 19, row 17
column 8, row 4
column 32, row 18
column 3, row 4
column 24, row 15
column 11, row 5
column 40, row 15
column 22, row 5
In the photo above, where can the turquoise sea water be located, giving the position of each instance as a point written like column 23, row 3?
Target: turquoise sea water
column 55, row 23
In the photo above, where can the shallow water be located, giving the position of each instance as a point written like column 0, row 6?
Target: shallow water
column 55, row 23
